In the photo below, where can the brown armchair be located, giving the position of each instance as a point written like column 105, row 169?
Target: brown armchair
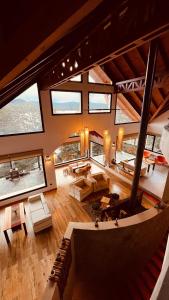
column 100, row 181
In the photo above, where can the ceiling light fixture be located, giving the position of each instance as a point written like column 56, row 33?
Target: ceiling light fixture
column 71, row 68
column 67, row 59
column 76, row 64
column 63, row 64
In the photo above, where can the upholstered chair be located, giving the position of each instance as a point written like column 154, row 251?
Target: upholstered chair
column 81, row 188
column 100, row 181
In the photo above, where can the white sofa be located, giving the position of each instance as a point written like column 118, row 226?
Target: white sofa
column 100, row 181
column 39, row 212
column 81, row 188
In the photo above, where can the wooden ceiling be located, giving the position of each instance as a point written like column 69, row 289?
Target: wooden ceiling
column 34, row 45
column 132, row 65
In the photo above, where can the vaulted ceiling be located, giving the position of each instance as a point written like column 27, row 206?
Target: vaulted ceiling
column 35, row 40
column 133, row 65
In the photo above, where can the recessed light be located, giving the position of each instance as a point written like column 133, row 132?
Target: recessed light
column 76, row 64
column 67, row 59
column 63, row 64
column 71, row 68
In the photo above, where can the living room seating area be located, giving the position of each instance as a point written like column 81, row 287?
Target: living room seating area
column 83, row 187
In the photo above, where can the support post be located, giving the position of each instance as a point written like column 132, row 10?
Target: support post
column 150, row 71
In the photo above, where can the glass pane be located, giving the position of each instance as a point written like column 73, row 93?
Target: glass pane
column 149, row 142
column 64, row 102
column 157, row 144
column 21, row 176
column 77, row 78
column 67, row 152
column 97, row 152
column 99, row 103
column 97, row 75
column 22, row 114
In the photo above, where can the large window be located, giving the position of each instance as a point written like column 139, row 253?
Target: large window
column 124, row 114
column 66, row 102
column 97, row 75
column 97, row 152
column 67, row 152
column 22, row 114
column 18, row 176
column 153, row 143
column 77, row 78
column 99, row 103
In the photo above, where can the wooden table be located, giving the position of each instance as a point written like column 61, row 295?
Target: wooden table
column 14, row 218
column 150, row 162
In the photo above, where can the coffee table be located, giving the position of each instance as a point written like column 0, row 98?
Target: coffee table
column 14, row 219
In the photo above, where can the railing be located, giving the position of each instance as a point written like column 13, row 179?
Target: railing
column 62, row 274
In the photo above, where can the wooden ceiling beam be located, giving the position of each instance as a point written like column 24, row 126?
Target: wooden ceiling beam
column 47, row 24
column 159, row 108
column 135, row 73
column 128, row 30
column 163, row 54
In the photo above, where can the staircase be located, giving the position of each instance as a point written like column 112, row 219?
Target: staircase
column 142, row 286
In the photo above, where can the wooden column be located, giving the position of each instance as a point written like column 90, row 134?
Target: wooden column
column 150, row 71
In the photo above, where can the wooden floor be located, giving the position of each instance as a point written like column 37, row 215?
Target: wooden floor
column 26, row 265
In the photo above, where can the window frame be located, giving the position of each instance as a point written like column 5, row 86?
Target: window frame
column 75, row 80
column 41, row 112
column 102, row 84
column 96, row 155
column 134, row 122
column 30, row 191
column 62, row 90
column 105, row 112
column 152, row 148
column 72, row 160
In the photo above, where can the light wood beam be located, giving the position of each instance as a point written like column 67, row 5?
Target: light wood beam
column 159, row 108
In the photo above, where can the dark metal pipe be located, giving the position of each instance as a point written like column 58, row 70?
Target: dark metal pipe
column 150, row 72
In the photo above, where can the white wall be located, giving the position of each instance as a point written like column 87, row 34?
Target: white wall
column 158, row 123
column 58, row 128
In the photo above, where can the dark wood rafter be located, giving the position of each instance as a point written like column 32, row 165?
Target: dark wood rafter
column 103, row 33
column 160, row 108
column 163, row 54
column 127, row 95
column 136, row 73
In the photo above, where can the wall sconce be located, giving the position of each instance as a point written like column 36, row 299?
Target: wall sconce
column 86, row 137
column 107, row 147
column 82, row 142
column 120, row 138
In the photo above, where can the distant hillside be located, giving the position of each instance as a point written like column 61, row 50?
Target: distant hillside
column 75, row 106
column 22, row 102
column 66, row 106
column 17, row 101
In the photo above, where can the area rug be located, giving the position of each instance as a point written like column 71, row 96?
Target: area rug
column 148, row 201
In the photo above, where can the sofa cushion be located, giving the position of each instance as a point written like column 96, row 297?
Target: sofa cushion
column 36, row 205
column 99, row 177
column 34, row 198
column 81, row 184
column 38, row 215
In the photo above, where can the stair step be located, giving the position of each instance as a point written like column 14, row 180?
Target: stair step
column 152, row 270
column 143, row 289
column 134, row 292
column 149, row 280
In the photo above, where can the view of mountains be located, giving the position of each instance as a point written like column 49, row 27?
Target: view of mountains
column 75, row 106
